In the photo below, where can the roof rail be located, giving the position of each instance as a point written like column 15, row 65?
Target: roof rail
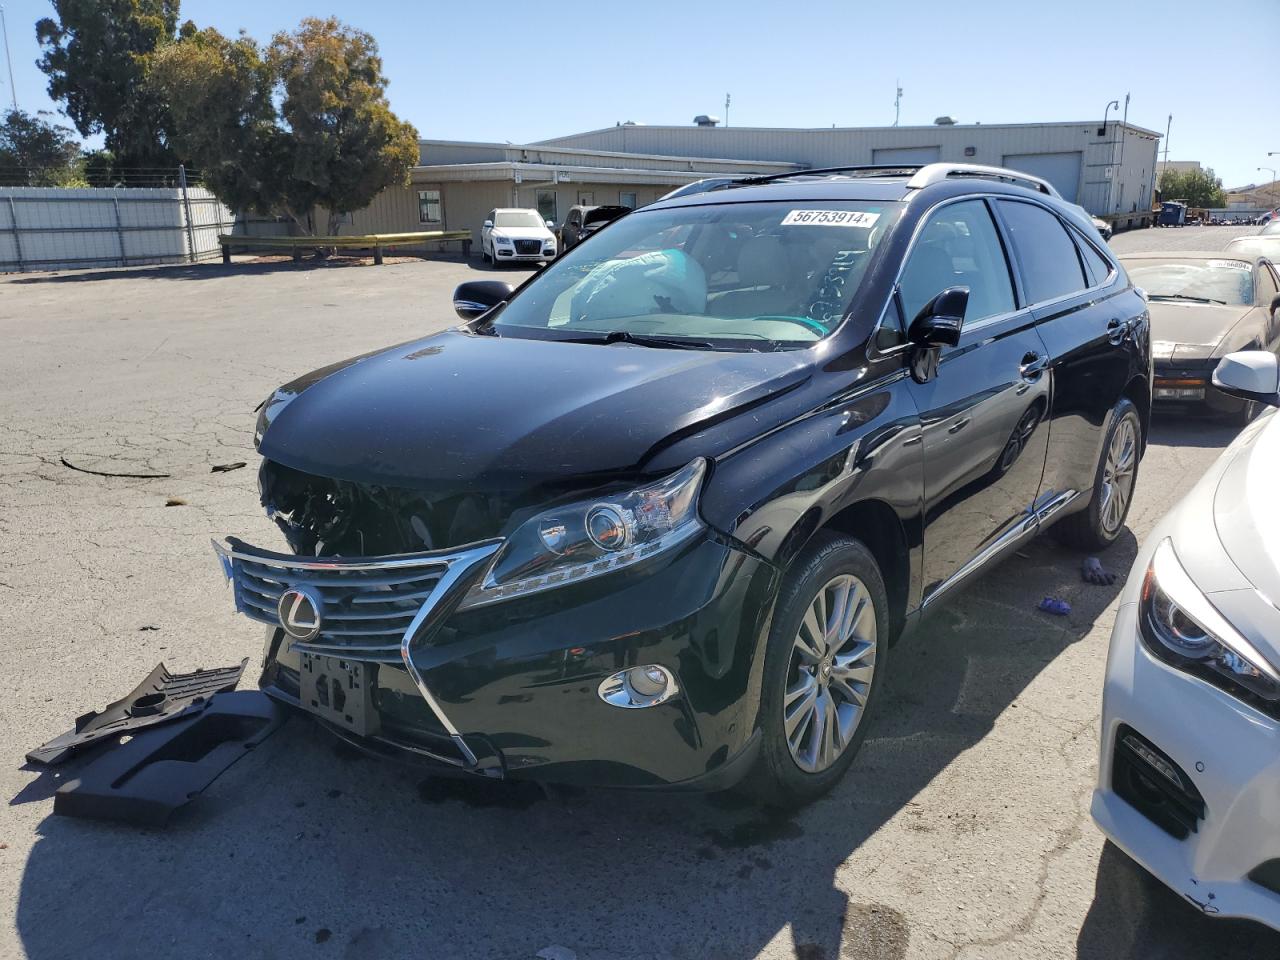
column 919, row 174
column 863, row 169
column 937, row 172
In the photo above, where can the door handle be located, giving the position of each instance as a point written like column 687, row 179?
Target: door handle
column 958, row 425
column 1033, row 364
column 1117, row 330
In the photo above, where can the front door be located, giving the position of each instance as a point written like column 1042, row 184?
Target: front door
column 984, row 412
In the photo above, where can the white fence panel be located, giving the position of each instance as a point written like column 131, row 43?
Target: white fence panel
column 51, row 228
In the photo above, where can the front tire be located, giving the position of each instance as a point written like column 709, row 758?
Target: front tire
column 823, row 662
column 1244, row 416
column 1098, row 525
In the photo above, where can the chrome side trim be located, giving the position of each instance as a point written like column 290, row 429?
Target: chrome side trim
column 465, row 569
column 1036, row 515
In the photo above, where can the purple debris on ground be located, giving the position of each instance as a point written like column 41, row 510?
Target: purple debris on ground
column 1055, row 605
column 1092, row 571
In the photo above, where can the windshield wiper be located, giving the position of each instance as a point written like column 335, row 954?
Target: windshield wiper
column 1184, row 296
column 644, row 340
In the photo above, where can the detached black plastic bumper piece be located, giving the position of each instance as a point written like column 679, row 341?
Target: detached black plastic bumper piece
column 161, row 697
column 145, row 780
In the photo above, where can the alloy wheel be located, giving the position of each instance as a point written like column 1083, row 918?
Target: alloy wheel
column 829, row 676
column 1118, row 475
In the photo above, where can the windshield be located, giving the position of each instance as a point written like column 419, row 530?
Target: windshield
column 1210, row 281
column 1272, row 227
column 602, row 215
column 517, row 218
column 728, row 276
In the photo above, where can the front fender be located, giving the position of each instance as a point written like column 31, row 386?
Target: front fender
column 774, row 493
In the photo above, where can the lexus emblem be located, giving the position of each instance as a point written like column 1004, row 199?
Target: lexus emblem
column 299, row 611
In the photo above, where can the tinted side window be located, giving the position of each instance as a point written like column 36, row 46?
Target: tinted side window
column 958, row 246
column 1097, row 265
column 1268, row 284
column 1050, row 264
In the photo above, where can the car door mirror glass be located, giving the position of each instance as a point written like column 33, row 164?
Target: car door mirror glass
column 1250, row 375
column 477, row 297
column 938, row 323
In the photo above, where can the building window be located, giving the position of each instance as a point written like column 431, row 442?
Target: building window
column 627, row 200
column 429, row 206
column 547, row 205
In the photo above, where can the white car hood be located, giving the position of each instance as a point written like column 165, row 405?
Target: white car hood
column 522, row 233
column 1247, row 514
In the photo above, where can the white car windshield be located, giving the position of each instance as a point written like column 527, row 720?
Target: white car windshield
column 1210, row 281
column 517, row 218
column 729, row 276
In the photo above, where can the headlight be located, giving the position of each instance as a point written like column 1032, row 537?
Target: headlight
column 581, row 540
column 502, row 240
column 1181, row 627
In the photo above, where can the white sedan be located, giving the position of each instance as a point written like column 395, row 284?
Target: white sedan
column 514, row 234
column 1189, row 773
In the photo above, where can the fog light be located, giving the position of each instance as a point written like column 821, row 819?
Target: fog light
column 644, row 686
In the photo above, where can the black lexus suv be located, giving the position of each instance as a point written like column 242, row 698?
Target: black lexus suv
column 656, row 517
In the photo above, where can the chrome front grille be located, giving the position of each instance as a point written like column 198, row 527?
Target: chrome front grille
column 527, row 247
column 376, row 609
column 366, row 604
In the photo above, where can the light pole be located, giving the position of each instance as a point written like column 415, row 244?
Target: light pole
column 13, row 91
column 1102, row 132
column 1272, row 170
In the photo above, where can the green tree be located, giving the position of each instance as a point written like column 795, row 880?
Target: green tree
column 36, row 153
column 349, row 143
column 95, row 55
column 1200, row 188
column 304, row 123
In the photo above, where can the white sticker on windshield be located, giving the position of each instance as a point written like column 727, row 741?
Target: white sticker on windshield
column 830, row 218
column 1231, row 265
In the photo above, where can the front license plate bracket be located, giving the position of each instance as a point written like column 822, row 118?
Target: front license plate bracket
column 340, row 691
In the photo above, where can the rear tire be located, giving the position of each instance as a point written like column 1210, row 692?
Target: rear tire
column 1098, row 525
column 818, row 692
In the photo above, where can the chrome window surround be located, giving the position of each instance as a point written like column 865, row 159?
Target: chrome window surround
column 873, row 354
column 459, row 571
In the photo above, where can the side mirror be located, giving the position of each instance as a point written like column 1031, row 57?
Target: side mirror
column 487, row 225
column 939, row 321
column 1250, row 375
column 477, row 297
column 550, row 225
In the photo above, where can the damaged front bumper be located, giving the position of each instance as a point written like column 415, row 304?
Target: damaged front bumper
column 394, row 661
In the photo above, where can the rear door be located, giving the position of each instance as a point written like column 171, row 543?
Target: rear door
column 983, row 414
column 1087, row 316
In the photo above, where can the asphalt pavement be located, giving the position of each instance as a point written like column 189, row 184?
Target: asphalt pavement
column 961, row 830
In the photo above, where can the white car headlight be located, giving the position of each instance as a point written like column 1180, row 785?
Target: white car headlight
column 506, row 241
column 590, row 538
column 1181, row 627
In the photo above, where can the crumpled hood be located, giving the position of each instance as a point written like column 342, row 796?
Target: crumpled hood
column 1189, row 331
column 459, row 411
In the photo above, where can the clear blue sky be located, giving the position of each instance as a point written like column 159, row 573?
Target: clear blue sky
column 475, row 71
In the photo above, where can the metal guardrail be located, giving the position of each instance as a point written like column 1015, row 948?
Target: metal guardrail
column 377, row 242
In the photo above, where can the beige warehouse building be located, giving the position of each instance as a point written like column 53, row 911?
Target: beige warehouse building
column 1109, row 169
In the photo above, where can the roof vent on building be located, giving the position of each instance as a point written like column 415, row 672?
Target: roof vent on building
column 703, row 120
column 946, row 121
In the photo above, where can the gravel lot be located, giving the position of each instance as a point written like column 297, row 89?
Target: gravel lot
column 961, row 831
